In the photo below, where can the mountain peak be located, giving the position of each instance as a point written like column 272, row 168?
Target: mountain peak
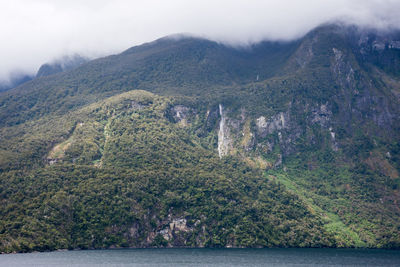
column 188, row 142
column 62, row 64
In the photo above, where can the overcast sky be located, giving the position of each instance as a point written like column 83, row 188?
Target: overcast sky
column 38, row 31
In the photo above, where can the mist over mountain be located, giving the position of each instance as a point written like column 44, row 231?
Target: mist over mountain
column 188, row 142
column 43, row 30
column 63, row 64
column 15, row 80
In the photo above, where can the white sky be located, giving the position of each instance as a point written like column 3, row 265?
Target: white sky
column 37, row 31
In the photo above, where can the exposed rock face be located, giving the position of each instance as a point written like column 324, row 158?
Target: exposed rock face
column 174, row 230
column 275, row 123
column 321, row 115
column 179, row 225
column 343, row 71
column 136, row 105
column 248, row 139
column 224, row 140
column 180, row 114
column 275, row 137
column 166, row 234
column 357, row 96
column 236, row 135
column 334, row 145
column 52, row 161
column 377, row 42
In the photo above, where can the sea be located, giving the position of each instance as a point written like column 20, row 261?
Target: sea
column 206, row 257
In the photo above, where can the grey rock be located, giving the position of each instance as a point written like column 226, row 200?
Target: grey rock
column 277, row 122
column 321, row 115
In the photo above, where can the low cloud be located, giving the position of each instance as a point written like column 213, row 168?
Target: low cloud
column 35, row 32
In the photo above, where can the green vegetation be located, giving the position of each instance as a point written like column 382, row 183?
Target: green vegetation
column 89, row 161
column 76, row 202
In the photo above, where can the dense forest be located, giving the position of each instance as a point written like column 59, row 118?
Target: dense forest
column 185, row 142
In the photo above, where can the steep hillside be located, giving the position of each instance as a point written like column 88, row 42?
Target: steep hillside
column 186, row 66
column 15, row 80
column 280, row 144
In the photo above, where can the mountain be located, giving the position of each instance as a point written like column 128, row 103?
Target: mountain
column 15, row 80
column 63, row 64
column 185, row 142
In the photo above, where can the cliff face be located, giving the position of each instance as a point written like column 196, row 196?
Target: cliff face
column 281, row 144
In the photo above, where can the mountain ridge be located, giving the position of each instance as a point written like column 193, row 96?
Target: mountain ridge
column 190, row 143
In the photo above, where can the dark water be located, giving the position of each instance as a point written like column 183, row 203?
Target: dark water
column 207, row 257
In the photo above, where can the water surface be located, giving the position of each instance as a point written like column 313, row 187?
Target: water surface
column 206, row 257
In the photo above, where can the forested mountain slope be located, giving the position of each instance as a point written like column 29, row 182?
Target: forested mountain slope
column 187, row 142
